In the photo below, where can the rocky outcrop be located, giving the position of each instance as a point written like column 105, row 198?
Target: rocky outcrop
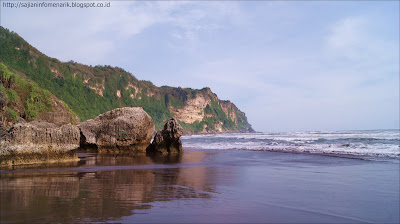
column 127, row 129
column 59, row 114
column 193, row 110
column 35, row 142
column 167, row 141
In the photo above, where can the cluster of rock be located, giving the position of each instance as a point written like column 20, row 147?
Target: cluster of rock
column 127, row 130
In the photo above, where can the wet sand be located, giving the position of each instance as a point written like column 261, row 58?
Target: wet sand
column 204, row 186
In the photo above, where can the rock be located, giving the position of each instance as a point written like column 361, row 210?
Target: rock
column 167, row 141
column 36, row 142
column 3, row 100
column 172, row 130
column 127, row 129
column 59, row 114
column 3, row 130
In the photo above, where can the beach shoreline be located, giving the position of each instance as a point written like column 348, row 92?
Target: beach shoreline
column 205, row 186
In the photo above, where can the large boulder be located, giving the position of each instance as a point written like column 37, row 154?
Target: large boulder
column 36, row 142
column 127, row 129
column 167, row 141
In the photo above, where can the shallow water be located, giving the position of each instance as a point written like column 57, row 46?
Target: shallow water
column 204, row 186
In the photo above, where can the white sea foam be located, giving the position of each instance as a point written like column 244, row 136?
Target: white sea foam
column 371, row 143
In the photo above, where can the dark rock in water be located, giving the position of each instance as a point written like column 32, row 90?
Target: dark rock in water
column 127, row 129
column 36, row 142
column 167, row 141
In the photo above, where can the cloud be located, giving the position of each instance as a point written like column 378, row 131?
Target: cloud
column 358, row 39
column 274, row 60
column 357, row 50
column 347, row 32
column 84, row 35
column 345, row 79
column 79, row 31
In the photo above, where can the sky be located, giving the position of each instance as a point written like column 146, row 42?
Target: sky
column 289, row 65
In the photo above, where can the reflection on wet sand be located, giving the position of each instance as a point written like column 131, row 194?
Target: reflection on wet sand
column 101, row 195
column 94, row 159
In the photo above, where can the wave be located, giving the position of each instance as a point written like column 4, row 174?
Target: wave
column 389, row 152
column 369, row 135
column 370, row 143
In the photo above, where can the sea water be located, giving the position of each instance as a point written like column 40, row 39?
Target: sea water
column 221, row 178
column 375, row 143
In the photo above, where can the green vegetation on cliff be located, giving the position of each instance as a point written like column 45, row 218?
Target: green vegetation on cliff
column 21, row 97
column 92, row 90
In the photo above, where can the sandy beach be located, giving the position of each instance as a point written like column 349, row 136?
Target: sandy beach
column 169, row 111
column 204, row 186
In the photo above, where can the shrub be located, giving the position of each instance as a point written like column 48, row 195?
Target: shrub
column 37, row 101
column 12, row 96
column 13, row 115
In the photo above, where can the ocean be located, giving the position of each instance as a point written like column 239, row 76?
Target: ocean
column 367, row 143
column 298, row 177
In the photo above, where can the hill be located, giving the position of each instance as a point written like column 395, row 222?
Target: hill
column 92, row 90
column 22, row 98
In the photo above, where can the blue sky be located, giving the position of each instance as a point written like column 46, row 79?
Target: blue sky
column 289, row 65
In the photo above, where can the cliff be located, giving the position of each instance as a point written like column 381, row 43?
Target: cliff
column 92, row 90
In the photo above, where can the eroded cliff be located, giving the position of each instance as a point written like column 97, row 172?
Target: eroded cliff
column 93, row 90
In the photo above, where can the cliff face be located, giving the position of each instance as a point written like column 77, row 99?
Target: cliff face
column 90, row 91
